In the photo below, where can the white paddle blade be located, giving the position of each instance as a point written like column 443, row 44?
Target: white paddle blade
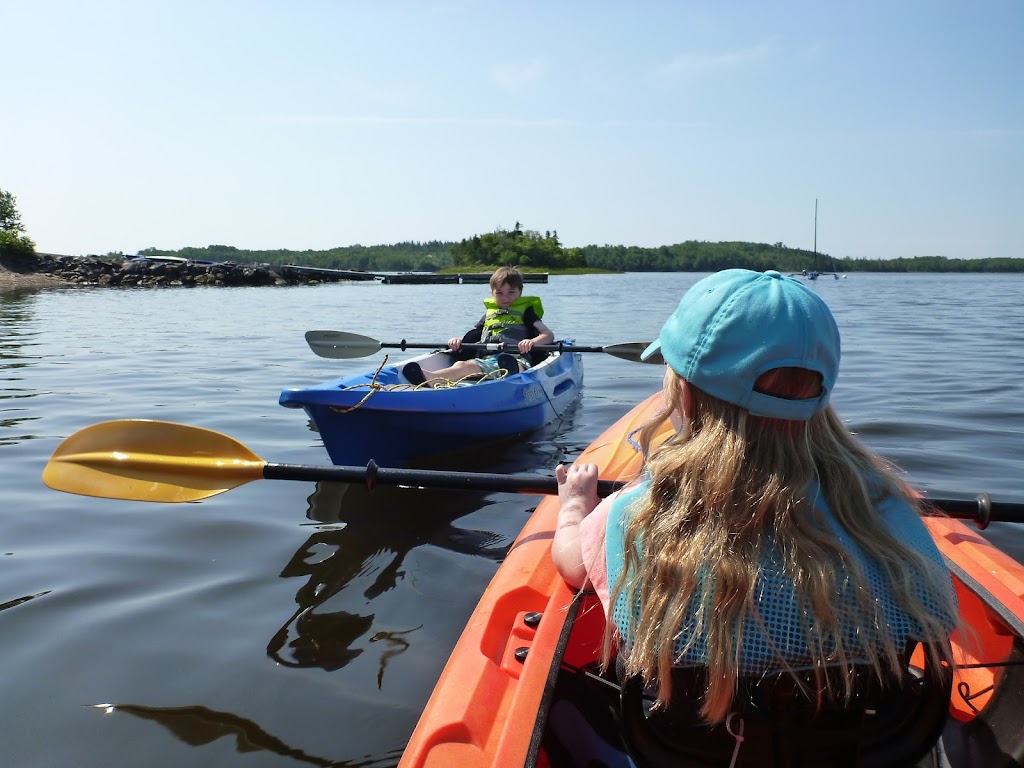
column 340, row 345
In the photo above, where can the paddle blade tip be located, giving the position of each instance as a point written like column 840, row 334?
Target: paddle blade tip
column 70, row 477
column 143, row 460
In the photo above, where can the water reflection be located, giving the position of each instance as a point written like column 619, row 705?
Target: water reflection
column 16, row 310
column 198, row 725
column 367, row 535
column 380, row 528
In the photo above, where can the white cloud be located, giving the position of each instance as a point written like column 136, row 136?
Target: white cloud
column 695, row 65
column 656, row 124
column 519, row 75
column 417, row 121
column 510, row 122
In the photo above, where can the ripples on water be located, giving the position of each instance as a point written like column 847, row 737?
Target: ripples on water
column 291, row 623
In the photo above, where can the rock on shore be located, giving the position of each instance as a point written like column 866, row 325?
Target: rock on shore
column 62, row 270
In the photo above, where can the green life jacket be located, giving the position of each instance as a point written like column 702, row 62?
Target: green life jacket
column 507, row 325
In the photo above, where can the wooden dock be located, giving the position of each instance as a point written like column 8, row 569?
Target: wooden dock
column 420, row 278
column 405, row 278
column 431, row 278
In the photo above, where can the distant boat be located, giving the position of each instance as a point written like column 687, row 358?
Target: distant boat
column 814, row 274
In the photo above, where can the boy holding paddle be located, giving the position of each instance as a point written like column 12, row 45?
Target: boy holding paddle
column 510, row 319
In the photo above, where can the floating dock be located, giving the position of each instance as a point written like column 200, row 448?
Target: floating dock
column 420, row 278
column 485, row 277
column 432, row 278
column 405, row 278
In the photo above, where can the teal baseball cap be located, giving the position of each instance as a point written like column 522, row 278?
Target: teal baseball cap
column 735, row 325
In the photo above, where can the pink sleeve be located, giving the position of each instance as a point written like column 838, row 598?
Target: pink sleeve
column 592, row 537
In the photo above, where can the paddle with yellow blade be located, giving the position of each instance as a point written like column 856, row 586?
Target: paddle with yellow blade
column 142, row 460
column 342, row 345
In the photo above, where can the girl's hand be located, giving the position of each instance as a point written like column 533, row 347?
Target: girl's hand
column 455, row 344
column 577, row 490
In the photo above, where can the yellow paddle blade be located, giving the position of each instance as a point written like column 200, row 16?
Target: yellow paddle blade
column 144, row 460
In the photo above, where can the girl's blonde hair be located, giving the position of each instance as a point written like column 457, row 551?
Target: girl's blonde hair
column 723, row 488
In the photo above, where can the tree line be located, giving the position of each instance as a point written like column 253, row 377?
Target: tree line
column 529, row 249
column 524, row 248
column 702, row 256
column 533, row 250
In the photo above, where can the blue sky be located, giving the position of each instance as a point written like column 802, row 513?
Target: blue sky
column 300, row 124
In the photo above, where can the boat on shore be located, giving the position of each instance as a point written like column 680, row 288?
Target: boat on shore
column 379, row 415
column 520, row 687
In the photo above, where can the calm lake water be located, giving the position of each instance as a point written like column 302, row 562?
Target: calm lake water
column 284, row 623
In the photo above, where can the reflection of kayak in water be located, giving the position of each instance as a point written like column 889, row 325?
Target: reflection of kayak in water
column 518, row 689
column 358, row 554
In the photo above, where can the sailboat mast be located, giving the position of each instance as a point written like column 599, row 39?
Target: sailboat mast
column 815, row 229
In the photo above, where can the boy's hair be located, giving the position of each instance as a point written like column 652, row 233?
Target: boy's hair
column 510, row 275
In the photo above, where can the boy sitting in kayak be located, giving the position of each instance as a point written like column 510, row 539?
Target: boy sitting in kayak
column 511, row 319
column 762, row 537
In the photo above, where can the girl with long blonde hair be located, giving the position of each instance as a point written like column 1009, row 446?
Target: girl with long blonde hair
column 762, row 536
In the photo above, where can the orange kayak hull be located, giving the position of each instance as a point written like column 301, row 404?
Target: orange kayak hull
column 484, row 709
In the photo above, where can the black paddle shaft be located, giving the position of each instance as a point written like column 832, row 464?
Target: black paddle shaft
column 982, row 510
column 373, row 475
column 496, row 346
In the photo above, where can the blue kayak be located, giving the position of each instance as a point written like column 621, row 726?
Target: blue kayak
column 381, row 416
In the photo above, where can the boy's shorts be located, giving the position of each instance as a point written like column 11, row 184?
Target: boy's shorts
column 490, row 364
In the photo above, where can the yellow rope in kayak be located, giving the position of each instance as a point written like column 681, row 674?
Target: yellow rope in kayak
column 438, row 383
column 469, row 378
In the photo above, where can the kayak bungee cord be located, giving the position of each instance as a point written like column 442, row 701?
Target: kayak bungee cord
column 374, row 387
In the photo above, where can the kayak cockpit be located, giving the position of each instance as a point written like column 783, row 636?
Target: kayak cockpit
column 585, row 717
column 523, row 687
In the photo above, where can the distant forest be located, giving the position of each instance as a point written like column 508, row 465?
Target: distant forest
column 531, row 249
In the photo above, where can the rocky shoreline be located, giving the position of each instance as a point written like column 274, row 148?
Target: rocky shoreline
column 57, row 271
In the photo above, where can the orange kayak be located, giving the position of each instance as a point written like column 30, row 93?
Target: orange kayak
column 491, row 705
